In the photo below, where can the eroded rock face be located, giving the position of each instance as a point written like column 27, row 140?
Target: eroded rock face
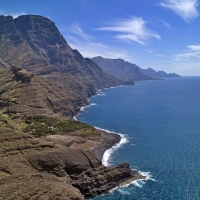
column 22, row 74
column 45, row 168
column 64, row 162
column 48, row 95
column 100, row 180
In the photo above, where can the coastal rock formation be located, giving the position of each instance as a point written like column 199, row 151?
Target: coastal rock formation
column 46, row 168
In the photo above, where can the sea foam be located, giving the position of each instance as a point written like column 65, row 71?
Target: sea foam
column 82, row 109
column 137, row 183
column 106, row 161
column 141, row 182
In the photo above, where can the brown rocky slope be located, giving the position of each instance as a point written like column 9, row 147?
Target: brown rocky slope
column 41, row 75
column 55, row 166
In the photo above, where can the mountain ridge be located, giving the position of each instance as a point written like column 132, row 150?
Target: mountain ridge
column 129, row 71
column 34, row 43
column 121, row 69
column 158, row 74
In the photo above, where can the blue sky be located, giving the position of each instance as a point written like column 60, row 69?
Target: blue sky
column 161, row 34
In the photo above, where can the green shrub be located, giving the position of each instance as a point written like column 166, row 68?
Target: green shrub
column 42, row 125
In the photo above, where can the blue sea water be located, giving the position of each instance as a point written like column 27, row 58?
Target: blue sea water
column 161, row 120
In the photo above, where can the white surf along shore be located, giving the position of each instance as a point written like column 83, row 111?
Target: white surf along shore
column 107, row 156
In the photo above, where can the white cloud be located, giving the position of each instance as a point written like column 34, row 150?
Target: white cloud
column 87, row 46
column 132, row 29
column 194, row 47
column 187, row 57
column 14, row 15
column 190, row 55
column 188, row 62
column 154, row 54
column 186, row 9
column 76, row 29
column 149, row 51
column 165, row 24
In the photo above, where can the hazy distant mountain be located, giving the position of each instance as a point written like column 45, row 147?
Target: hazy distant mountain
column 158, row 74
column 128, row 71
column 121, row 69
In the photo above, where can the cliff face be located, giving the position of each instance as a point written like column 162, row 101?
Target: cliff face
column 63, row 78
column 47, row 95
column 121, row 69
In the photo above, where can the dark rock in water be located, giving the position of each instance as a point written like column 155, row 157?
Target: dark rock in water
column 100, row 180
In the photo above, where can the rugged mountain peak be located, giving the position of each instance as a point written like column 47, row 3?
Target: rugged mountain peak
column 7, row 25
column 63, row 78
column 44, row 38
column 8, row 29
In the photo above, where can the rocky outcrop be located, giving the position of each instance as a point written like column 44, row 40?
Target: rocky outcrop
column 22, row 74
column 55, row 166
column 100, row 180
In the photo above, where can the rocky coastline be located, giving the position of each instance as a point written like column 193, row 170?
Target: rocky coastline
column 48, row 79
column 67, row 166
column 58, row 166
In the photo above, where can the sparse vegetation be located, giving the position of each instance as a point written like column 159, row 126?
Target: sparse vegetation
column 42, row 125
column 7, row 121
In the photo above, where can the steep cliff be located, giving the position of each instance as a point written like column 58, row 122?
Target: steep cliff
column 63, row 78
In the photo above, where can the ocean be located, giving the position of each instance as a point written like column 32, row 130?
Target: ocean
column 160, row 124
